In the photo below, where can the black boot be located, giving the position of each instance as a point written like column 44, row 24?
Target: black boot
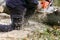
column 16, row 24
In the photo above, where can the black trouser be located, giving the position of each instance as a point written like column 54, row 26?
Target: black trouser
column 30, row 11
column 17, row 15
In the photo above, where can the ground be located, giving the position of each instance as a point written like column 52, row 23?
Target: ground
column 33, row 31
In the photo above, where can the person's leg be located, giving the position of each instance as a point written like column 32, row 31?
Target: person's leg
column 17, row 17
column 30, row 12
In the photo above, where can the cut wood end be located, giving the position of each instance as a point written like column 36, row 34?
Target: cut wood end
column 1, row 8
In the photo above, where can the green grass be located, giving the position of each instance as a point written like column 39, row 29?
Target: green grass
column 57, row 2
